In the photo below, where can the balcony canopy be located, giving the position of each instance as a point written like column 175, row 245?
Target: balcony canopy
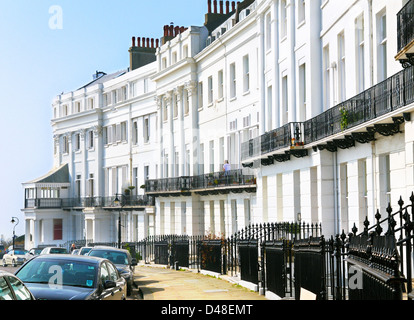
column 58, row 175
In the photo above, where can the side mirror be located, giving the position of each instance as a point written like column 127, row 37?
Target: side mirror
column 133, row 262
column 109, row 284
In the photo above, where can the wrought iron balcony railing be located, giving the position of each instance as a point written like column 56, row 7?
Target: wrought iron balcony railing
column 89, row 202
column 209, row 181
column 379, row 100
column 405, row 25
column 290, row 135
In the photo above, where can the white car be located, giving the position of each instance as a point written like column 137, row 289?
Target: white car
column 14, row 257
column 84, row 251
column 54, row 250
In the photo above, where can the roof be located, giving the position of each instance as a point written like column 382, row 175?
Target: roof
column 69, row 257
column 57, row 175
column 104, row 78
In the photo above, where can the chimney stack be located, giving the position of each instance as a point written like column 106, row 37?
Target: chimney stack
column 142, row 55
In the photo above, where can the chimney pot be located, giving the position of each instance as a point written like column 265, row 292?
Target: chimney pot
column 157, row 43
column 143, row 42
column 139, row 42
column 171, row 34
column 166, row 31
column 152, row 43
column 221, row 6
column 209, row 6
column 215, row 6
column 133, row 41
column 227, row 7
column 233, row 6
column 148, row 42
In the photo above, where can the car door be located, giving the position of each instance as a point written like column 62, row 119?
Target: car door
column 9, row 256
column 118, row 292
column 20, row 290
column 5, row 290
column 106, row 293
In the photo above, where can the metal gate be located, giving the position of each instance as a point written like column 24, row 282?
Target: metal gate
column 161, row 252
column 249, row 260
column 180, row 253
column 210, row 255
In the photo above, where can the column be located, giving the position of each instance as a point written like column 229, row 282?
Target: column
column 160, row 106
column 98, row 177
column 36, row 233
column 275, row 54
column 191, row 87
column 262, row 86
column 326, row 189
column 83, row 149
column 288, row 190
column 70, row 153
column 170, row 106
column 179, row 93
column 291, row 37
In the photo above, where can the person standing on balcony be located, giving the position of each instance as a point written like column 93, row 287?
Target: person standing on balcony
column 226, row 167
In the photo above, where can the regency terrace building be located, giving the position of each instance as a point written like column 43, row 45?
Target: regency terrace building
column 310, row 102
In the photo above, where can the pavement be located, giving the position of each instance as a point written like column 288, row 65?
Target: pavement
column 161, row 283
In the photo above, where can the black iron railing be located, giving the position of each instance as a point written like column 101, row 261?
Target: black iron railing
column 290, row 135
column 232, row 178
column 88, row 202
column 405, row 25
column 285, row 258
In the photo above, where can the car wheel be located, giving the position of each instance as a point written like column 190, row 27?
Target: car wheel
column 14, row 263
column 4, row 263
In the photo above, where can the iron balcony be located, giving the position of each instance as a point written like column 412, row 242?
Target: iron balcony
column 380, row 109
column 405, row 34
column 210, row 183
column 133, row 201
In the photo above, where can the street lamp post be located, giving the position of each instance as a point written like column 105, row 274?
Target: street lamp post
column 118, row 202
column 13, row 220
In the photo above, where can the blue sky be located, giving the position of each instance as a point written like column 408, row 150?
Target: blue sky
column 38, row 62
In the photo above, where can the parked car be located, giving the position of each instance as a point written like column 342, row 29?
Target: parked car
column 76, row 251
column 2, row 251
column 11, row 288
column 72, row 277
column 33, row 252
column 14, row 257
column 54, row 250
column 121, row 258
column 84, row 250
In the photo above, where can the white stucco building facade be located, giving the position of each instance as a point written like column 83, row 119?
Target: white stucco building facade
column 305, row 99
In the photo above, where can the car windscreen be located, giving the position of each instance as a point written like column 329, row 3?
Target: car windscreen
column 58, row 250
column 20, row 252
column 84, row 251
column 115, row 256
column 59, row 272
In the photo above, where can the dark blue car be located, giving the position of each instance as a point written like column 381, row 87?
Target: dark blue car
column 72, row 277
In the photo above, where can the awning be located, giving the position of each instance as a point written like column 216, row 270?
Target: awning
column 57, row 175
